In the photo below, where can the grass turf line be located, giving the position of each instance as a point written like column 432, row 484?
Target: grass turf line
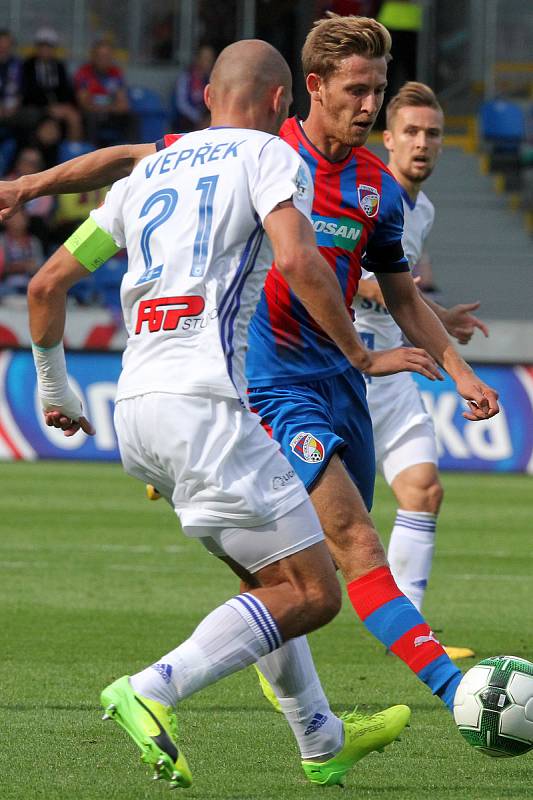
column 95, row 582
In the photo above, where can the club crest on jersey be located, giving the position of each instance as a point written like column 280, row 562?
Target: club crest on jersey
column 307, row 447
column 302, row 182
column 368, row 199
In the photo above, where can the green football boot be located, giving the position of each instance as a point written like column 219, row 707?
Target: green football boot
column 152, row 727
column 362, row 735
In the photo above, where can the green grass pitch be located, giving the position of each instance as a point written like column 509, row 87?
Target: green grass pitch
column 96, row 582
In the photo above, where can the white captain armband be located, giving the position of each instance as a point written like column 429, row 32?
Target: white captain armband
column 91, row 245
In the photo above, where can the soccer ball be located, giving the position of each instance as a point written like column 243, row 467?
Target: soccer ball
column 493, row 706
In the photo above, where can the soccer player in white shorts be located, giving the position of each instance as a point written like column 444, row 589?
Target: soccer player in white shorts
column 404, row 435
column 194, row 219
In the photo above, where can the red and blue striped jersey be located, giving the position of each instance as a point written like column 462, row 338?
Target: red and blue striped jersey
column 358, row 221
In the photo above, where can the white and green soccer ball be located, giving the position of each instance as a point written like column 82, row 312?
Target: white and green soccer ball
column 493, row 706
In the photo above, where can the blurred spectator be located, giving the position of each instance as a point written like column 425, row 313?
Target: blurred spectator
column 21, row 255
column 103, row 98
column 39, row 210
column 46, row 138
column 162, row 37
column 72, row 210
column 190, row 112
column 46, row 85
column 10, row 87
column 403, row 19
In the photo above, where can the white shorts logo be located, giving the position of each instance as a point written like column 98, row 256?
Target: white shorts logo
column 308, row 448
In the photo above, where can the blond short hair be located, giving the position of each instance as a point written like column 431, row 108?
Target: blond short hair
column 335, row 38
column 412, row 94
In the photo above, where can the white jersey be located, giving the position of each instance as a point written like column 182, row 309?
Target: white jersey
column 372, row 319
column 191, row 218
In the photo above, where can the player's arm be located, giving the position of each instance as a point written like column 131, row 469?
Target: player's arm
column 89, row 247
column 91, row 171
column 458, row 320
column 422, row 327
column 314, row 283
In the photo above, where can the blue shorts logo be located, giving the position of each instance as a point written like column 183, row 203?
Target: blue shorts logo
column 307, row 447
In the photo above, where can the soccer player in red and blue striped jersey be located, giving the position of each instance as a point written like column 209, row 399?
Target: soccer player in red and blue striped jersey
column 310, row 399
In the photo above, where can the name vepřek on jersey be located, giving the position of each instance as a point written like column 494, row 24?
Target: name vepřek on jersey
column 169, row 161
column 331, row 232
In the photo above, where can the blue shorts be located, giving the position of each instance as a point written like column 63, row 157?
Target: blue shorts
column 313, row 420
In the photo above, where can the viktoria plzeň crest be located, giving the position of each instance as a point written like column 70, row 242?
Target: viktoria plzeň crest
column 307, row 447
column 368, row 199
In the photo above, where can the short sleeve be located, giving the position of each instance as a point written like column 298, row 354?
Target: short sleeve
column 281, row 175
column 109, row 216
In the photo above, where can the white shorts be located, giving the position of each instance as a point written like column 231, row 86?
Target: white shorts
column 209, row 457
column 255, row 548
column 404, row 434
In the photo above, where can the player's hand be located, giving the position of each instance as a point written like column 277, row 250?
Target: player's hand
column 10, row 199
column 403, row 359
column 66, row 414
column 482, row 400
column 461, row 324
column 372, row 291
column 69, row 426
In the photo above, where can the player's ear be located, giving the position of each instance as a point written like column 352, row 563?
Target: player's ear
column 314, row 85
column 207, row 96
column 388, row 140
column 277, row 98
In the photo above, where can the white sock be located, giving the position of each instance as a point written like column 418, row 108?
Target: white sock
column 231, row 637
column 291, row 673
column 410, row 552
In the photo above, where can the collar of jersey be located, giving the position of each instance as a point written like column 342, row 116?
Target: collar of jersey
column 411, row 203
column 341, row 163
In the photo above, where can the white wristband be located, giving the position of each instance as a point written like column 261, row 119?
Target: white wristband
column 52, row 380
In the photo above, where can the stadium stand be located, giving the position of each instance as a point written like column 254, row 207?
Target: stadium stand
column 152, row 115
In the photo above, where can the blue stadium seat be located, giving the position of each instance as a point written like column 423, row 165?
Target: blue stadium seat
column 68, row 150
column 151, row 112
column 502, row 123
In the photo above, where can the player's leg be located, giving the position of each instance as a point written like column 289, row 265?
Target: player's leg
column 305, row 419
column 419, row 494
column 298, row 590
column 329, row 745
column 409, row 465
column 230, row 638
column 377, row 600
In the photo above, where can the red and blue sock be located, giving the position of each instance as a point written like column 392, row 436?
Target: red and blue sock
column 394, row 620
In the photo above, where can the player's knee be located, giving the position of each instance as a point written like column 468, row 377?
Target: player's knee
column 432, row 497
column 322, row 600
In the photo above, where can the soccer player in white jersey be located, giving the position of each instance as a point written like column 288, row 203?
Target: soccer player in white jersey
column 404, row 435
column 194, row 219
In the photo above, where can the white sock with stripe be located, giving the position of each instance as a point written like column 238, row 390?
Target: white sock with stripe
column 410, row 553
column 291, row 673
column 231, row 637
